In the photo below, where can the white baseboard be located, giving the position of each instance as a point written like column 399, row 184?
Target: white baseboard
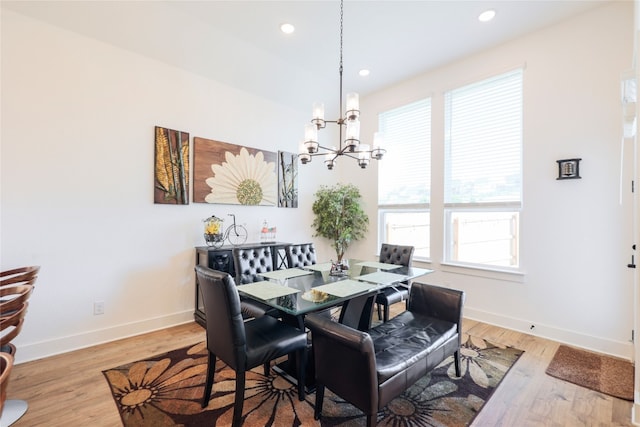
column 39, row 350
column 572, row 338
column 635, row 411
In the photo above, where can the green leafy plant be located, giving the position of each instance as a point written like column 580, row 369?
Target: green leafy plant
column 339, row 216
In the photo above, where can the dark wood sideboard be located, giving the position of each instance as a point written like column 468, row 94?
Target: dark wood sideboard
column 222, row 259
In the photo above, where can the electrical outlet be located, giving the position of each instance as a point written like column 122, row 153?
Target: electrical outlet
column 98, row 308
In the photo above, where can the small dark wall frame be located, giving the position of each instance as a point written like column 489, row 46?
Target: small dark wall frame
column 569, row 169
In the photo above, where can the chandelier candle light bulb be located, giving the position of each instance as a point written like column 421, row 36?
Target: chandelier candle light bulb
column 364, row 155
column 304, row 156
column 330, row 163
column 353, row 134
column 318, row 115
column 353, row 106
column 377, row 151
column 311, row 138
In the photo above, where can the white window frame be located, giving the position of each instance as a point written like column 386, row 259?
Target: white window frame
column 413, row 209
column 417, row 207
column 488, row 207
column 450, row 243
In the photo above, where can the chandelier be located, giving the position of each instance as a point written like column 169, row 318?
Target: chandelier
column 349, row 123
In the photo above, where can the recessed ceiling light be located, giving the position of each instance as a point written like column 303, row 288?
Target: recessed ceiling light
column 287, row 28
column 487, row 15
column 364, row 72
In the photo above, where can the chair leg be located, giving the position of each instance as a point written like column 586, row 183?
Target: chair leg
column 267, row 368
column 302, row 367
column 456, row 360
column 239, row 403
column 372, row 420
column 386, row 312
column 319, row 399
column 379, row 311
column 211, row 370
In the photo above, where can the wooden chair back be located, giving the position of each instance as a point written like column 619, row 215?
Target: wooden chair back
column 12, row 297
column 11, row 325
column 6, row 364
column 18, row 275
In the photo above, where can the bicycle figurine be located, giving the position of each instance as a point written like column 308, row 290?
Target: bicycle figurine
column 235, row 234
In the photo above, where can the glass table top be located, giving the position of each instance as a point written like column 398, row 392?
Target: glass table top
column 298, row 291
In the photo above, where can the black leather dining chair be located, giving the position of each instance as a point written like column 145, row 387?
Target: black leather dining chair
column 243, row 345
column 300, row 255
column 398, row 255
column 248, row 263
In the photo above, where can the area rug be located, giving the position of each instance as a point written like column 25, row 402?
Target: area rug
column 597, row 372
column 166, row 390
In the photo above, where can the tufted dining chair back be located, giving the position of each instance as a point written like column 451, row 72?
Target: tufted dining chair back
column 300, row 255
column 251, row 261
column 396, row 254
column 248, row 263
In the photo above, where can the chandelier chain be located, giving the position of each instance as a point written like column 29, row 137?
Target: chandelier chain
column 341, row 31
column 341, row 68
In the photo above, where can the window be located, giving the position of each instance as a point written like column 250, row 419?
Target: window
column 404, row 177
column 483, row 173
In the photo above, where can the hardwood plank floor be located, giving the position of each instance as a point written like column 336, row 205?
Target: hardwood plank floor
column 69, row 389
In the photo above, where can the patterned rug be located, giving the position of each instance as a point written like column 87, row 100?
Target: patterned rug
column 166, row 390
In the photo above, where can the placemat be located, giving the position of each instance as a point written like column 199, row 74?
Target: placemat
column 380, row 265
column 266, row 290
column 325, row 266
column 344, row 288
column 383, row 277
column 285, row 274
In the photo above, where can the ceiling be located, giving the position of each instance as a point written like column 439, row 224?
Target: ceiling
column 239, row 42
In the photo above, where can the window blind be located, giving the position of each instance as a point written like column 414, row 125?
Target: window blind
column 404, row 175
column 483, row 141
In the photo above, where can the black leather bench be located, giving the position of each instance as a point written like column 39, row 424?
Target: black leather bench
column 369, row 369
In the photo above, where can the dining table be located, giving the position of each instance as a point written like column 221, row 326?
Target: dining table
column 296, row 292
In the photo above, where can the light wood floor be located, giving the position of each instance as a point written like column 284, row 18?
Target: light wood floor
column 69, row 390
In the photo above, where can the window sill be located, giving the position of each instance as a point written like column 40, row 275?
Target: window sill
column 494, row 273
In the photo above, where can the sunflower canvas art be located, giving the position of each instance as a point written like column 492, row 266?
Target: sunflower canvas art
column 232, row 174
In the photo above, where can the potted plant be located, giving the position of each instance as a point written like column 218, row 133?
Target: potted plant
column 339, row 216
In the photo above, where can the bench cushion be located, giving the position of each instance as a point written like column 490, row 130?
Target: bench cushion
column 406, row 339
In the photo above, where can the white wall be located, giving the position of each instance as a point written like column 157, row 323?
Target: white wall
column 77, row 149
column 575, row 234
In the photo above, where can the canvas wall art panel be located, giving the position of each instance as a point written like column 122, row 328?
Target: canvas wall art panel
column 287, row 180
column 233, row 174
column 171, row 182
